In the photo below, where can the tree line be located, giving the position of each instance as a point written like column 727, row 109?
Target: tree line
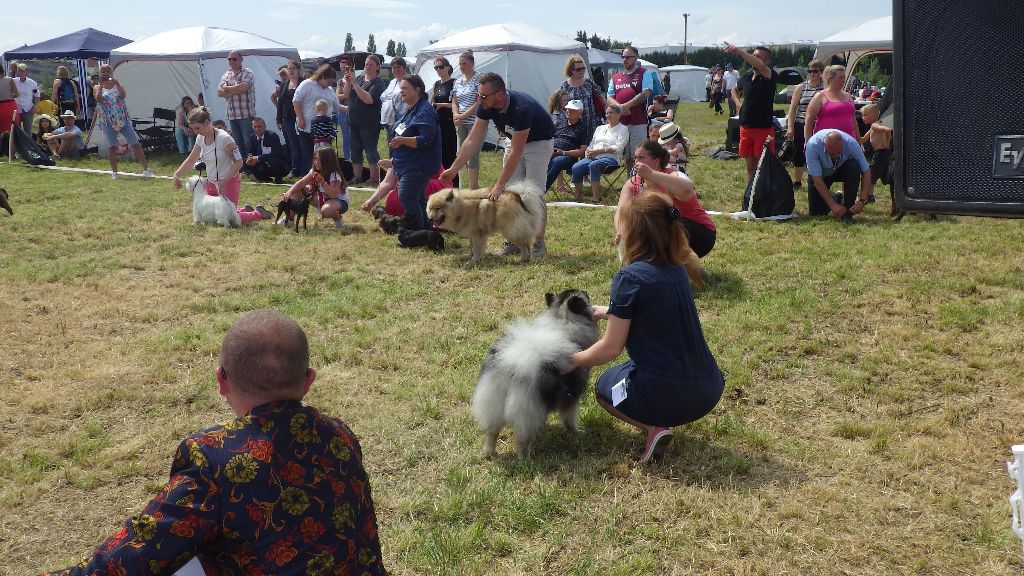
column 392, row 49
column 707, row 57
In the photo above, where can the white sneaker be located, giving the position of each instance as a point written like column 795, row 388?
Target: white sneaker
column 284, row 221
column 147, row 173
column 113, row 175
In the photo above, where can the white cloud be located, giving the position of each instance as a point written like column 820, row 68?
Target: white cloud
column 415, row 38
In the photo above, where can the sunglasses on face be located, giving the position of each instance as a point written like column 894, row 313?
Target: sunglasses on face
column 233, row 59
column 814, row 71
column 440, row 67
column 581, row 69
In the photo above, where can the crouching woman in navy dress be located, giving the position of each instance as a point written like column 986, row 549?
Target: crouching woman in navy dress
column 671, row 378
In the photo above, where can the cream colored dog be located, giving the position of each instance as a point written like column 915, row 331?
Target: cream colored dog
column 517, row 215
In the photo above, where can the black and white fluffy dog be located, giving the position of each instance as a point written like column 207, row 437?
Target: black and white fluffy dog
column 521, row 380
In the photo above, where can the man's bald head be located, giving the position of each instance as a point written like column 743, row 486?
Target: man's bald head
column 266, row 354
column 834, row 144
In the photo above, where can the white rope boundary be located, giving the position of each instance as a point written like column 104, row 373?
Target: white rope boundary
column 559, row 204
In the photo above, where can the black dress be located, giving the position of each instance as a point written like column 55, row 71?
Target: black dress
column 442, row 92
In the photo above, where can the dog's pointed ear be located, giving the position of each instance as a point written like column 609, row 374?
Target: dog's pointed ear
column 549, row 298
column 579, row 305
column 451, row 196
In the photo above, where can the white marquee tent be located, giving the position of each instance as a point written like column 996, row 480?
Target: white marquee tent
column 529, row 59
column 687, row 82
column 157, row 71
column 871, row 36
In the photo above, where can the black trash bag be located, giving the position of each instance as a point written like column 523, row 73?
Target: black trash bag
column 770, row 191
column 28, row 150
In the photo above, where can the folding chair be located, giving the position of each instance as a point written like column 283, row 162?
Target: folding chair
column 160, row 130
column 611, row 177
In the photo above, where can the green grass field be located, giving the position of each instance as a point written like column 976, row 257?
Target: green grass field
column 873, row 382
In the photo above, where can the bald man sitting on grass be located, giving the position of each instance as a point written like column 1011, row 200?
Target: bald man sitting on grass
column 279, row 490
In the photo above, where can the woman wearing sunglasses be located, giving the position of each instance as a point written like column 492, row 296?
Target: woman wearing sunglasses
column 802, row 96
column 441, row 98
column 581, row 88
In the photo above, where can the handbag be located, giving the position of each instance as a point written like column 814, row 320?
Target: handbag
column 785, row 152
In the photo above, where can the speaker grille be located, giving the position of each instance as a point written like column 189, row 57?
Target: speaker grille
column 962, row 74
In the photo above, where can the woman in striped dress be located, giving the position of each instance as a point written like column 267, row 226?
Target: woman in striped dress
column 802, row 95
column 581, row 88
column 464, row 105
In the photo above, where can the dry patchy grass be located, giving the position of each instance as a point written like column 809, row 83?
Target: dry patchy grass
column 873, row 384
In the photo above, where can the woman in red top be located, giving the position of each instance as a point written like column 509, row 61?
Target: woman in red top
column 654, row 175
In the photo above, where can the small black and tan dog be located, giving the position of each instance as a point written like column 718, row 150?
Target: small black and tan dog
column 388, row 223
column 295, row 209
column 4, row 202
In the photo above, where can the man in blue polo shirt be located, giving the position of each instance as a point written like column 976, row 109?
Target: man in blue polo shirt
column 521, row 119
column 834, row 156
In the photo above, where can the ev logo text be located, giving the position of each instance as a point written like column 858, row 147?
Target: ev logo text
column 1008, row 157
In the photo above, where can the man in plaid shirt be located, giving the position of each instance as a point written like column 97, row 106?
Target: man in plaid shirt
column 238, row 87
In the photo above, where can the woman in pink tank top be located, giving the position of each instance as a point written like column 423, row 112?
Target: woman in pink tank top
column 832, row 108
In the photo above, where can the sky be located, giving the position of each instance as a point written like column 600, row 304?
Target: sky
column 321, row 25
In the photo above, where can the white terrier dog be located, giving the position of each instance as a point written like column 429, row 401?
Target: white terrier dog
column 215, row 209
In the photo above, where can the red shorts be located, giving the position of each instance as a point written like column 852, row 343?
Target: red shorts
column 752, row 141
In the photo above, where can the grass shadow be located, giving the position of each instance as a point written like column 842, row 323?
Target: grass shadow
column 607, row 448
column 698, row 462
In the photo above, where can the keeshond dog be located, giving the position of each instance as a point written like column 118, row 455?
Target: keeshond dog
column 522, row 377
column 517, row 215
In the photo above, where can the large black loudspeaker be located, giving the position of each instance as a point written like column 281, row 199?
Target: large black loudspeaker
column 959, row 106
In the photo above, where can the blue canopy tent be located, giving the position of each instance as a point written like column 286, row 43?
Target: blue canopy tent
column 79, row 46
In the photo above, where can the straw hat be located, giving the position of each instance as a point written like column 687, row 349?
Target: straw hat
column 667, row 133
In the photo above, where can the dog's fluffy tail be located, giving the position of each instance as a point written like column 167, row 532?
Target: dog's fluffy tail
column 532, row 345
column 523, row 187
column 506, row 389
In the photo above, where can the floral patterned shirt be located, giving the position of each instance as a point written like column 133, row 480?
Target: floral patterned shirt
column 281, row 490
column 113, row 109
